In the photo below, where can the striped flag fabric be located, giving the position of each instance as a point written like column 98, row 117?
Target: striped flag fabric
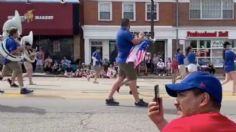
column 137, row 53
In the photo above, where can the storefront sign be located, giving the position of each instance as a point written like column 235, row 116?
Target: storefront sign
column 29, row 16
column 208, row 34
column 41, row 18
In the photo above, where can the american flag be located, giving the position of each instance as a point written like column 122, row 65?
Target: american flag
column 137, row 53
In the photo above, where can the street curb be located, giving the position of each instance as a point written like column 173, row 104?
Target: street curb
column 140, row 77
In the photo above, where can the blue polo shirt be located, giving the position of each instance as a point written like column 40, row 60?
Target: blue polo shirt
column 11, row 45
column 229, row 61
column 191, row 58
column 124, row 44
column 180, row 58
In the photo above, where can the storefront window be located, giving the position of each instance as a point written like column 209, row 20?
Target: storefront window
column 112, row 51
column 209, row 50
column 57, row 48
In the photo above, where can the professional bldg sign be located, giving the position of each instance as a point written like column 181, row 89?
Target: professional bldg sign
column 41, row 18
column 208, row 34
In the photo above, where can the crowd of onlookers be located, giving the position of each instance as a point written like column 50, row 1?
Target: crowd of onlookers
column 154, row 64
column 70, row 68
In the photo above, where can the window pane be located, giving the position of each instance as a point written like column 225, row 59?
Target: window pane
column 193, row 43
column 195, row 5
column 149, row 12
column 128, row 7
column 129, row 15
column 227, row 14
column 195, row 14
column 195, row 9
column 228, row 4
column 105, row 15
column 128, row 11
column 205, row 44
column 148, row 7
column 149, row 16
column 105, row 7
column 211, row 9
column 105, row 10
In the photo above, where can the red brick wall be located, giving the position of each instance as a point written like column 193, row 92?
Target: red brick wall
column 185, row 21
column 90, row 14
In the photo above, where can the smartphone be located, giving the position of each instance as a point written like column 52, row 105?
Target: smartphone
column 156, row 93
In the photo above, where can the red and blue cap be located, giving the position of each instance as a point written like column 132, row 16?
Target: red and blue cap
column 198, row 80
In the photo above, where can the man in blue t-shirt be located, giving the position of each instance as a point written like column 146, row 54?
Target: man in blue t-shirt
column 180, row 58
column 12, row 66
column 124, row 42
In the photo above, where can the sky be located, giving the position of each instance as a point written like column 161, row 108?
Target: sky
column 70, row 1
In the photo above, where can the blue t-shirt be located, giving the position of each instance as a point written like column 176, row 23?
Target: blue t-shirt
column 180, row 58
column 191, row 58
column 229, row 61
column 98, row 57
column 11, row 45
column 124, row 44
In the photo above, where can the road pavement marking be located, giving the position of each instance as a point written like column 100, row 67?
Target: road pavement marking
column 89, row 95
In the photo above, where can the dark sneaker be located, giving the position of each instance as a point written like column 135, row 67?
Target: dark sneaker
column 1, row 91
column 9, row 81
column 112, row 102
column 14, row 85
column 26, row 91
column 141, row 103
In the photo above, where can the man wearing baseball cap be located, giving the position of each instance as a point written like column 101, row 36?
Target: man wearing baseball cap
column 198, row 101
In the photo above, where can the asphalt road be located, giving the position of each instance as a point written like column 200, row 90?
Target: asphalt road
column 76, row 105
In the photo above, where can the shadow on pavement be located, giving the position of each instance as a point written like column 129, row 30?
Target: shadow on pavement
column 22, row 109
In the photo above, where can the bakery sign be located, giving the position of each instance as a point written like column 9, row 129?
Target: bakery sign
column 215, row 34
column 29, row 16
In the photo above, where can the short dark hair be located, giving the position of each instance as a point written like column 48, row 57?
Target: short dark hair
column 187, row 50
column 226, row 43
column 197, row 91
column 178, row 50
column 125, row 22
column 12, row 31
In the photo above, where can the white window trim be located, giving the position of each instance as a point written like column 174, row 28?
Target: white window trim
column 201, row 18
column 134, row 5
column 99, row 19
column 157, row 11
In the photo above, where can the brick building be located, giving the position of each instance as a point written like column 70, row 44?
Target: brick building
column 55, row 25
column 203, row 24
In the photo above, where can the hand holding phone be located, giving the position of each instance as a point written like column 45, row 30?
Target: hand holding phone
column 156, row 93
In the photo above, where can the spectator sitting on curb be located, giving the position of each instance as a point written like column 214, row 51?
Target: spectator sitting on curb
column 198, row 100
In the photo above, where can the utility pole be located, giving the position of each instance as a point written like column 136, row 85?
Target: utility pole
column 177, row 23
column 152, row 19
